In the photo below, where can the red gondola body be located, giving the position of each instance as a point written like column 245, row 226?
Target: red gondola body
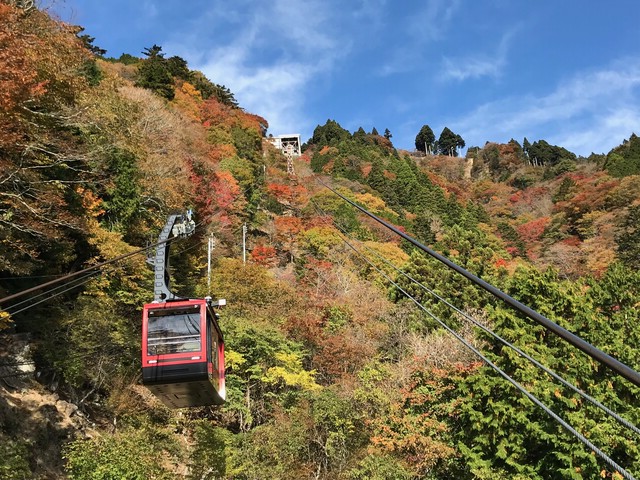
column 183, row 353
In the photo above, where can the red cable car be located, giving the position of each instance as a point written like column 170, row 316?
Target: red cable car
column 183, row 353
column 182, row 344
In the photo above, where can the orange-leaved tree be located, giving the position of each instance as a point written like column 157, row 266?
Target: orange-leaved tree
column 40, row 160
column 287, row 230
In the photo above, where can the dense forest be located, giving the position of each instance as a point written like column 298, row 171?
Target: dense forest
column 333, row 372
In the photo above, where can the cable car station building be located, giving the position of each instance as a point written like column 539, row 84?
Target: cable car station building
column 288, row 144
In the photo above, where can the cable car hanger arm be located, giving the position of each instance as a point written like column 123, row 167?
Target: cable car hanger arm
column 178, row 225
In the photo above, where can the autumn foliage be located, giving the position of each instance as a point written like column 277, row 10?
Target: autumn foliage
column 332, row 371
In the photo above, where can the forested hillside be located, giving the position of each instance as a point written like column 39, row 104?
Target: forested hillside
column 333, row 373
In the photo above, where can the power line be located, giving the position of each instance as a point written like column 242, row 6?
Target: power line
column 595, row 353
column 29, row 277
column 523, row 390
column 84, row 280
column 469, row 318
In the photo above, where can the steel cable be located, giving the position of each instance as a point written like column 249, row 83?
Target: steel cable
column 595, row 353
column 523, row 390
column 469, row 318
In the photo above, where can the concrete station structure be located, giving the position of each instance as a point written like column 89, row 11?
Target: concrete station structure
column 288, row 144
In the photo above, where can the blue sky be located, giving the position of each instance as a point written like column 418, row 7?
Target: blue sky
column 566, row 71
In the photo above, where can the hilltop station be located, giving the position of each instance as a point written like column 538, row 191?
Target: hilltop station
column 288, row 144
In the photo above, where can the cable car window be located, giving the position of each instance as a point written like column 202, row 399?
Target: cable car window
column 173, row 331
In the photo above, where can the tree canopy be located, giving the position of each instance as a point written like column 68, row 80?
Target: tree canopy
column 449, row 142
column 332, row 372
column 542, row 153
column 331, row 133
column 425, row 140
column 624, row 160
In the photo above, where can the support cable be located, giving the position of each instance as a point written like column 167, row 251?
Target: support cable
column 81, row 272
column 47, row 292
column 475, row 322
column 595, row 353
column 27, row 277
column 98, row 266
column 84, row 280
column 502, row 373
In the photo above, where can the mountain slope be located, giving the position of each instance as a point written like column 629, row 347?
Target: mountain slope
column 332, row 373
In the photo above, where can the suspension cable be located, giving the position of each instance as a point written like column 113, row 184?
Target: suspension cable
column 88, row 269
column 81, row 272
column 81, row 281
column 29, row 300
column 487, row 330
column 502, row 373
column 595, row 353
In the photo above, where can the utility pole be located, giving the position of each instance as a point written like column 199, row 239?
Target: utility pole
column 244, row 243
column 212, row 243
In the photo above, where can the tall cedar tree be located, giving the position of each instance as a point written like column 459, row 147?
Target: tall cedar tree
column 425, row 139
column 449, row 142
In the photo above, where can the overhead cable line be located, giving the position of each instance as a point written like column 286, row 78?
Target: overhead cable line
column 469, row 318
column 81, row 272
column 502, row 373
column 88, row 269
column 81, row 281
column 595, row 353
column 29, row 277
column 487, row 330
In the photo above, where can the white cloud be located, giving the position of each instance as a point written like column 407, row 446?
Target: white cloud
column 479, row 65
column 593, row 111
column 424, row 27
column 270, row 56
column 462, row 69
column 433, row 20
column 149, row 9
column 606, row 132
column 371, row 11
column 401, row 61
